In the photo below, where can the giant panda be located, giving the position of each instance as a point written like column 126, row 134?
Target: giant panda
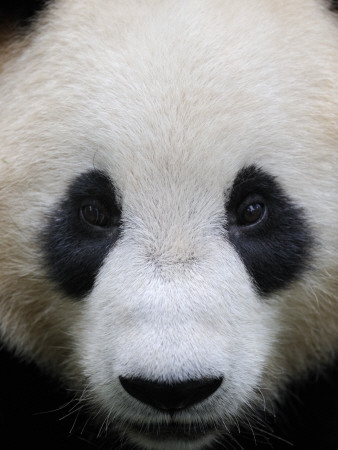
column 168, row 247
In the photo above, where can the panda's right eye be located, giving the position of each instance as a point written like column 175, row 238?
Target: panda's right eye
column 80, row 232
column 95, row 214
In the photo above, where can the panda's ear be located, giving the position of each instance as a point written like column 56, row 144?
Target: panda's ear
column 334, row 5
column 21, row 12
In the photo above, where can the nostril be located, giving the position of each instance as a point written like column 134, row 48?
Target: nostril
column 170, row 397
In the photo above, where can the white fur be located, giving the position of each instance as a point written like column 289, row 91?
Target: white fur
column 172, row 99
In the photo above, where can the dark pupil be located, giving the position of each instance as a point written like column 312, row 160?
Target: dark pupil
column 94, row 215
column 253, row 213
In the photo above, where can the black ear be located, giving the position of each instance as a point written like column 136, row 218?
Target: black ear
column 334, row 5
column 21, row 12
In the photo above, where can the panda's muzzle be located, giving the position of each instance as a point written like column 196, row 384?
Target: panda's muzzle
column 170, row 397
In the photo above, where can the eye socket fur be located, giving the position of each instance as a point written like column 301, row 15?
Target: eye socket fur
column 81, row 230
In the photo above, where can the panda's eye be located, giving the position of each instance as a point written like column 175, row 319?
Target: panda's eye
column 252, row 211
column 95, row 214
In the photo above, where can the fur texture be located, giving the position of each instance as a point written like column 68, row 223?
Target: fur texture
column 173, row 102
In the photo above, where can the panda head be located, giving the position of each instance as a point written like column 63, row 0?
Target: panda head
column 167, row 201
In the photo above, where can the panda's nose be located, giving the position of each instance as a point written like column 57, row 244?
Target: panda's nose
column 170, row 397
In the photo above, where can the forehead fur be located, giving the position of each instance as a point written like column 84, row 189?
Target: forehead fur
column 156, row 91
column 180, row 83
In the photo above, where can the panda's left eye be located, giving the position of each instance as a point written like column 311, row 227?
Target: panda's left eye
column 251, row 211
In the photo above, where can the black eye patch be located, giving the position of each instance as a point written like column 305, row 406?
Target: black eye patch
column 81, row 230
column 269, row 232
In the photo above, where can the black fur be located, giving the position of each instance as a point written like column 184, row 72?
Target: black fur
column 334, row 5
column 74, row 251
column 21, row 11
column 276, row 250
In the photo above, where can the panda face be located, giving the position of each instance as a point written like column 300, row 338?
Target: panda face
column 169, row 178
column 171, row 312
column 161, row 269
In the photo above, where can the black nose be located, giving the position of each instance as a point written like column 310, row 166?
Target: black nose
column 170, row 397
